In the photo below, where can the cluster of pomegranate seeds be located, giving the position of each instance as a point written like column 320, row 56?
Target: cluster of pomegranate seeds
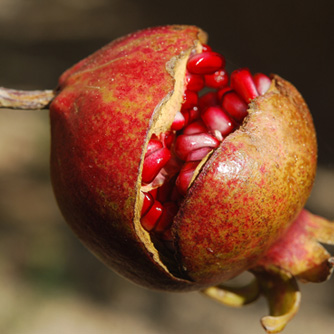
column 198, row 128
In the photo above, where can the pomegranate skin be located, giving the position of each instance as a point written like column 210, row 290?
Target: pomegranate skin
column 99, row 124
column 243, row 200
column 265, row 172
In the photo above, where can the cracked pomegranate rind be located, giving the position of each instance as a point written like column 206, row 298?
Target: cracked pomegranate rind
column 101, row 120
column 189, row 216
column 265, row 172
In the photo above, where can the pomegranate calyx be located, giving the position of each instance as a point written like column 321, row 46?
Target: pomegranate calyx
column 299, row 251
column 277, row 286
column 282, row 294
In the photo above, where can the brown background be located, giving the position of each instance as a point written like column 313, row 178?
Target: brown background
column 48, row 282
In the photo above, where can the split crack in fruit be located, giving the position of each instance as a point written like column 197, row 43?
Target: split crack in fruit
column 180, row 176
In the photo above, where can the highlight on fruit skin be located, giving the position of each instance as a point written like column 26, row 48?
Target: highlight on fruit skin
column 180, row 176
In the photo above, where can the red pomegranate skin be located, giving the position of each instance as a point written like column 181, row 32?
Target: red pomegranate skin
column 99, row 124
column 244, row 199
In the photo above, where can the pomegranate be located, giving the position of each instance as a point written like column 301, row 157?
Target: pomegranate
column 180, row 176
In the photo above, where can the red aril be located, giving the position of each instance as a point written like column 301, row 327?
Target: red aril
column 167, row 138
column 165, row 191
column 188, row 143
column 205, row 63
column 198, row 154
column 242, row 82
column 206, row 48
column 216, row 80
column 186, row 116
column 194, row 114
column 194, row 82
column 153, row 145
column 150, row 219
column 207, row 100
column 262, row 83
column 190, row 99
column 235, row 106
column 164, row 223
column 153, row 164
column 147, row 203
column 154, row 193
column 179, row 121
column 195, row 127
column 216, row 119
column 221, row 92
column 185, row 176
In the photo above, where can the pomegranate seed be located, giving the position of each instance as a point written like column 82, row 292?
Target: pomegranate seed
column 194, row 114
column 150, row 219
column 154, row 192
column 147, row 203
column 176, row 196
column 186, row 116
column 178, row 122
column 153, row 145
column 170, row 210
column 190, row 99
column 165, row 191
column 206, row 48
column 171, row 168
column 216, row 119
column 198, row 154
column 167, row 138
column 185, row 176
column 242, row 82
column 153, row 164
column 205, row 63
column 187, row 143
column 262, row 82
column 216, row 80
column 235, row 106
column 223, row 91
column 194, row 82
column 207, row 100
column 195, row 127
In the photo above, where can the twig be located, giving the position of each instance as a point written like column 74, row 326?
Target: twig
column 24, row 99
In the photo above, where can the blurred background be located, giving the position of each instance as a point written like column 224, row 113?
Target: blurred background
column 49, row 283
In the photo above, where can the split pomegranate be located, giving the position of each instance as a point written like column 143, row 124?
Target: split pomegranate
column 180, row 175
column 195, row 135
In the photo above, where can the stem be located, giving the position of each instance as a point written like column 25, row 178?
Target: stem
column 25, row 99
